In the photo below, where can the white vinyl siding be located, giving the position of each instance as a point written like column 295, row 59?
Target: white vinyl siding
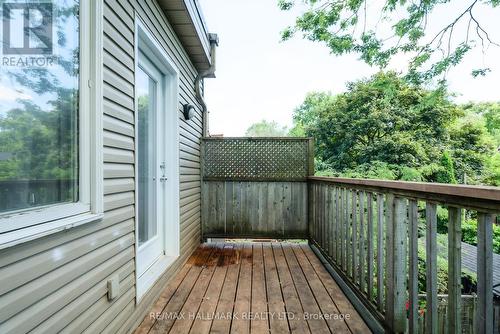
column 60, row 280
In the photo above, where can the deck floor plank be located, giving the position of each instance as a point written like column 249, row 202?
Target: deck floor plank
column 222, row 323
column 209, row 304
column 324, row 300
column 260, row 320
column 290, row 296
column 309, row 303
column 275, row 300
column 173, row 307
column 355, row 322
column 229, row 287
column 189, row 311
column 166, row 294
column 241, row 322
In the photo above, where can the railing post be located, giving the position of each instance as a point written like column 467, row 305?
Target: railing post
column 431, row 320
column 413, row 275
column 369, row 208
column 454, row 269
column 346, row 230
column 380, row 251
column 389, row 256
column 484, row 321
column 400, row 228
column 310, row 209
column 354, row 236
column 362, row 281
column 310, row 157
column 396, row 250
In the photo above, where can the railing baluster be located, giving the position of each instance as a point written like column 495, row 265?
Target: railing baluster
column 431, row 269
column 354, row 237
column 318, row 215
column 380, row 251
column 362, row 282
column 454, row 269
column 342, row 227
column 346, row 230
column 389, row 256
column 369, row 208
column 338, row 206
column 413, row 275
column 333, row 246
column 326, row 215
column 321, row 211
column 400, row 237
column 311, row 207
column 484, row 321
column 331, row 221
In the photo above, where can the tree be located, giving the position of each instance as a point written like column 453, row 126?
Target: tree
column 447, row 173
column 379, row 119
column 472, row 147
column 490, row 112
column 383, row 127
column 266, row 129
column 378, row 31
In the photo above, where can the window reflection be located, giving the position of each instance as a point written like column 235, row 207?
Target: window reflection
column 39, row 108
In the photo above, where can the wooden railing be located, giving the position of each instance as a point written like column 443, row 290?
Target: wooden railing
column 368, row 230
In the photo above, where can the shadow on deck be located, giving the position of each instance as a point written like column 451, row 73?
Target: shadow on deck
column 253, row 287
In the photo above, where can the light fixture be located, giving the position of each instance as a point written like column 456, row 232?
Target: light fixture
column 188, row 111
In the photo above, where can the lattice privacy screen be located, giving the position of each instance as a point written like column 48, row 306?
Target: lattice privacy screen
column 278, row 159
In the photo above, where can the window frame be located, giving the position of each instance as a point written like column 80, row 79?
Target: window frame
column 31, row 223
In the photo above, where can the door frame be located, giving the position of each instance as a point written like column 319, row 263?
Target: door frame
column 149, row 45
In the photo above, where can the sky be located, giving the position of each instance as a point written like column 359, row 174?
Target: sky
column 259, row 77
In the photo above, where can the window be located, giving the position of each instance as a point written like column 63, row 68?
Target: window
column 49, row 138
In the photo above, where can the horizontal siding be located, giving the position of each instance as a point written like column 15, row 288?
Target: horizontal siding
column 59, row 283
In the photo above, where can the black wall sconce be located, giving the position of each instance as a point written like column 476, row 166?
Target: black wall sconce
column 188, row 111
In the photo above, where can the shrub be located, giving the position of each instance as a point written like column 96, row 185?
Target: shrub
column 469, row 234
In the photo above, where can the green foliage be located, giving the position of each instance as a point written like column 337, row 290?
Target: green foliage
column 297, row 131
column 486, row 116
column 401, row 29
column 442, row 220
column 442, row 272
column 442, row 268
column 373, row 170
column 43, row 142
column 383, row 127
column 266, row 129
column 447, row 173
column 472, row 147
column 469, row 234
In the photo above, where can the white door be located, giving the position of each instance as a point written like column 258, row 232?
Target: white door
column 150, row 164
column 157, row 161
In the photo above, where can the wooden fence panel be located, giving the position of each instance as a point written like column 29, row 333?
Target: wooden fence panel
column 255, row 209
column 257, row 188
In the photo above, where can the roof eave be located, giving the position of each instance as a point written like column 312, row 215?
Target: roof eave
column 186, row 19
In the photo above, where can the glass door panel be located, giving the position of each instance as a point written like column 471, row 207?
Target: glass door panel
column 146, row 162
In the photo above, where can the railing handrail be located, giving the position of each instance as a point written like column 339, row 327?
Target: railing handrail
column 467, row 196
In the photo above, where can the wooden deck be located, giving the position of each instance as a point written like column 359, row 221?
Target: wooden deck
column 253, row 287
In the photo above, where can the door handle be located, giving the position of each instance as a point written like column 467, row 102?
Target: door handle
column 163, row 178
